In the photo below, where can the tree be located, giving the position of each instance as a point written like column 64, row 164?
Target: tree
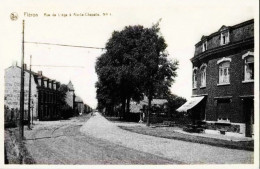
column 66, row 110
column 174, row 102
column 135, row 64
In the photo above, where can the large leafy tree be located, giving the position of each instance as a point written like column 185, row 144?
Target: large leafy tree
column 135, row 64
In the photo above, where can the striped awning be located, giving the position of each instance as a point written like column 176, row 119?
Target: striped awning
column 190, row 104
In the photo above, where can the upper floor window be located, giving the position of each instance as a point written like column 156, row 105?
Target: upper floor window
column 203, row 75
column 224, row 35
column 224, row 69
column 194, row 78
column 204, row 46
column 45, row 83
column 224, row 38
column 40, row 81
column 248, row 66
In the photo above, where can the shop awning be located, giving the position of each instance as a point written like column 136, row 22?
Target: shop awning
column 190, row 104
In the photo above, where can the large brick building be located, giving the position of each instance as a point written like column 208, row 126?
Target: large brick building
column 44, row 93
column 223, row 80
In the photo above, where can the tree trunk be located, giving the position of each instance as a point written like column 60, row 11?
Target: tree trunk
column 149, row 108
column 128, row 105
column 123, row 108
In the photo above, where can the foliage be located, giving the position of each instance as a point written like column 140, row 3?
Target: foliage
column 66, row 110
column 174, row 102
column 135, row 64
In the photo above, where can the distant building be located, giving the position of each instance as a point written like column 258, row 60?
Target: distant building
column 79, row 105
column 139, row 109
column 223, row 80
column 44, row 94
column 70, row 95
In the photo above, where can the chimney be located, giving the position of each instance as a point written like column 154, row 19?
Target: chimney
column 14, row 63
column 40, row 73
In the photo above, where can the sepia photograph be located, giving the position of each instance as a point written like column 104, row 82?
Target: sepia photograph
column 128, row 83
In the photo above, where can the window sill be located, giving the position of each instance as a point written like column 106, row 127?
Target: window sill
column 248, row 81
column 223, row 84
column 194, row 88
column 202, row 87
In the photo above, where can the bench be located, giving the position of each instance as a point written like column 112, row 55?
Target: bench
column 169, row 123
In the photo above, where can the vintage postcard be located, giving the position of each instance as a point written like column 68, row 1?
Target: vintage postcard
column 170, row 83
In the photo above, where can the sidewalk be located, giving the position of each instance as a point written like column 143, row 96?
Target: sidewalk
column 237, row 142
column 217, row 136
column 186, row 152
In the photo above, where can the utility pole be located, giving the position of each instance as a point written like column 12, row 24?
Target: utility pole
column 29, row 96
column 21, row 129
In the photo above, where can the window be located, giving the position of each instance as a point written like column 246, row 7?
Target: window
column 224, row 69
column 223, row 110
column 203, row 75
column 45, row 83
column 204, row 46
column 224, row 38
column 194, row 81
column 248, row 67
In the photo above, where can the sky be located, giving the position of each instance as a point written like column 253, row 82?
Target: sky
column 183, row 23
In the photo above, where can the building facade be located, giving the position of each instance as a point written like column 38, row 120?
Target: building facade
column 223, row 80
column 44, row 93
column 70, row 95
column 139, row 110
column 48, row 98
column 79, row 106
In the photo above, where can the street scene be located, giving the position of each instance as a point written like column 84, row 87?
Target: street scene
column 72, row 142
column 99, row 89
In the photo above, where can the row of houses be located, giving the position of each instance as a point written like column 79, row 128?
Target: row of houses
column 45, row 96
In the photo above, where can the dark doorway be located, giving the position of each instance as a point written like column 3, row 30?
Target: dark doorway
column 248, row 108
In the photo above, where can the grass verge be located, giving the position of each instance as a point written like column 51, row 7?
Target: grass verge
column 168, row 132
column 15, row 150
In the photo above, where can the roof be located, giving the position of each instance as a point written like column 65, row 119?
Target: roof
column 224, row 27
column 78, row 99
column 156, row 101
column 190, row 104
column 70, row 86
column 135, row 107
column 33, row 73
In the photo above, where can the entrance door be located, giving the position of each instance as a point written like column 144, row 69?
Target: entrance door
column 249, row 116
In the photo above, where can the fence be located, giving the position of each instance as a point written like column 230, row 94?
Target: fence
column 12, row 116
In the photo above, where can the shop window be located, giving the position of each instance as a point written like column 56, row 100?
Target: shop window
column 223, row 110
column 248, row 67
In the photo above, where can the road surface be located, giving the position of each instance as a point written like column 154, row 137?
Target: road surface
column 99, row 141
column 61, row 142
column 186, row 152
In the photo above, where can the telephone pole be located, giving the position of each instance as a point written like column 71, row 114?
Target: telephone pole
column 29, row 96
column 21, row 129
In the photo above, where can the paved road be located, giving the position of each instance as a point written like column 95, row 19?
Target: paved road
column 186, row 152
column 61, row 142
